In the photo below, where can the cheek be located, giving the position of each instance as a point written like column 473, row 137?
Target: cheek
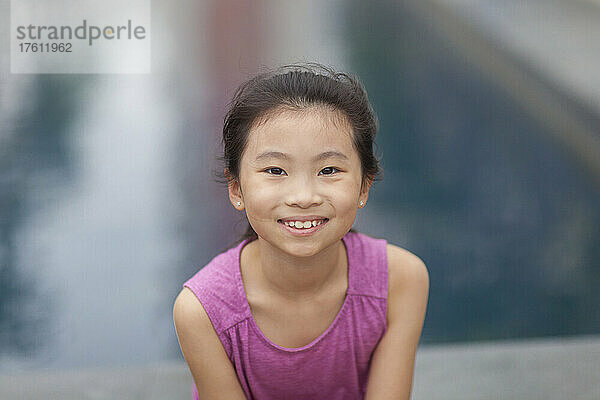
column 260, row 193
column 345, row 197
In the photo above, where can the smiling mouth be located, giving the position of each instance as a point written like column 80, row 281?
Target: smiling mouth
column 303, row 225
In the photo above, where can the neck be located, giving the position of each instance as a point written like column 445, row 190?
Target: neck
column 300, row 279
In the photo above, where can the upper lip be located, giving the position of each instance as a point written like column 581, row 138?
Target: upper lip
column 303, row 218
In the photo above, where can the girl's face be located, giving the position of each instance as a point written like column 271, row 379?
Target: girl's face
column 300, row 164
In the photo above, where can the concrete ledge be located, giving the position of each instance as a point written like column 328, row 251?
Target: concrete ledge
column 558, row 368
column 561, row 368
column 161, row 381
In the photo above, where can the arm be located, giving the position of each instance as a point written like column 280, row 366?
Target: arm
column 213, row 373
column 392, row 365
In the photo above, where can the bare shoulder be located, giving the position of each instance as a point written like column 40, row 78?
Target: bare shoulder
column 406, row 268
column 213, row 373
column 408, row 288
column 190, row 316
column 187, row 306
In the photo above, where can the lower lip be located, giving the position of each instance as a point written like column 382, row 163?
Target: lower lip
column 303, row 231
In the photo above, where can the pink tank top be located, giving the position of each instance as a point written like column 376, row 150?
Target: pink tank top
column 334, row 366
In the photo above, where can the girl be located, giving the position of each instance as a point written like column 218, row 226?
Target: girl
column 303, row 307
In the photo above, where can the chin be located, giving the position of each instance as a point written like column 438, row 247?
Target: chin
column 307, row 249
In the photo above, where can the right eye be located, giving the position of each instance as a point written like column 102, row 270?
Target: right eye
column 275, row 171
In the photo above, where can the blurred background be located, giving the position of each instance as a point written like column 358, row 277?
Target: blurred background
column 490, row 143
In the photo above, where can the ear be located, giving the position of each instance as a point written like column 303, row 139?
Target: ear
column 364, row 192
column 235, row 191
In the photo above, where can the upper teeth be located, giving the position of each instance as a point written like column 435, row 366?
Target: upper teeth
column 303, row 224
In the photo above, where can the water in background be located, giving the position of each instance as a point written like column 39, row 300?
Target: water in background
column 89, row 213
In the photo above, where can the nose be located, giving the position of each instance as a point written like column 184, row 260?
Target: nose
column 303, row 192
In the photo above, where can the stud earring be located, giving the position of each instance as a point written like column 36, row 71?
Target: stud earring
column 362, row 202
column 239, row 203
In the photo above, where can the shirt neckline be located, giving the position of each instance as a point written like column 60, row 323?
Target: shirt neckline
column 240, row 283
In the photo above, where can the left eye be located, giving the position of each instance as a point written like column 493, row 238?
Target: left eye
column 329, row 170
column 274, row 171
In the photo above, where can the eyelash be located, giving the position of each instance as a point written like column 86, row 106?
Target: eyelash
column 268, row 169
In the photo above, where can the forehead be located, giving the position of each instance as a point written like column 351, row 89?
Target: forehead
column 301, row 132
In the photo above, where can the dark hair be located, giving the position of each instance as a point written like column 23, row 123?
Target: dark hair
column 297, row 87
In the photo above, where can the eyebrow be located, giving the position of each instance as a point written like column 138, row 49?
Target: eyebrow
column 285, row 156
